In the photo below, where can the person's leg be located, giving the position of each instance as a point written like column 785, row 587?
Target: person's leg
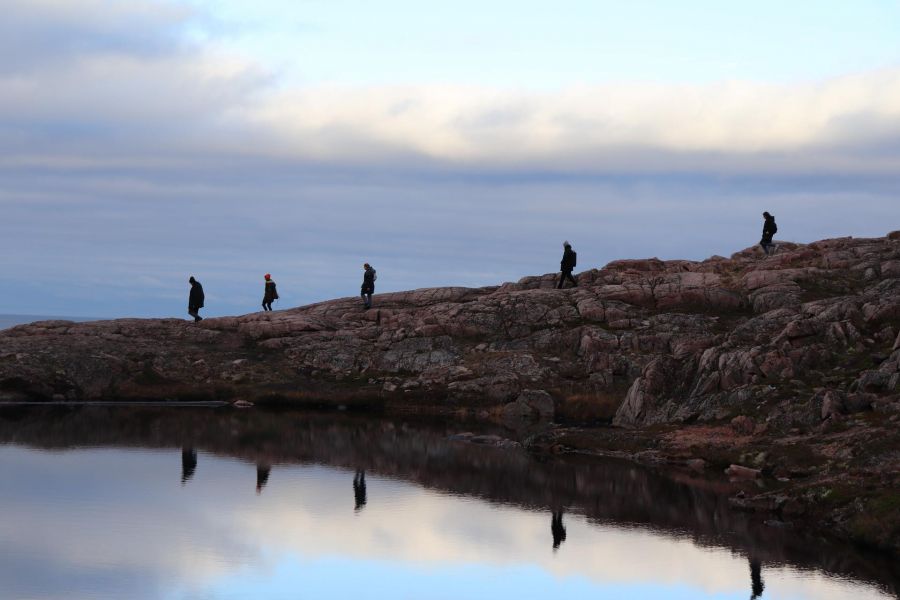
column 562, row 278
column 571, row 278
column 368, row 299
column 197, row 317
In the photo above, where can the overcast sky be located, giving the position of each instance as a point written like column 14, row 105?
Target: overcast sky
column 145, row 141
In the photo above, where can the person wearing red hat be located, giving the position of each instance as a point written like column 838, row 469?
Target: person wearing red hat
column 368, row 286
column 270, row 294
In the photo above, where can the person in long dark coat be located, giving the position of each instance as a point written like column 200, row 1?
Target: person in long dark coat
column 359, row 489
column 557, row 528
column 368, row 285
column 566, row 265
column 195, row 300
column 188, row 463
column 262, row 475
column 756, row 581
column 768, row 232
column 270, row 294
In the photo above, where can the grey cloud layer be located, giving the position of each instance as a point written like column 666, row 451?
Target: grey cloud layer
column 92, row 71
column 131, row 158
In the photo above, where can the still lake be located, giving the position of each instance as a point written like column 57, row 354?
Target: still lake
column 188, row 503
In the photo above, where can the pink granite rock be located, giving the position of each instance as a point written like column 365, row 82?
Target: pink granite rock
column 671, row 340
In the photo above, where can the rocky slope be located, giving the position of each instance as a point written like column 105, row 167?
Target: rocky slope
column 787, row 364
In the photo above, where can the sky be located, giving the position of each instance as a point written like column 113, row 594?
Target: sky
column 145, row 141
column 214, row 537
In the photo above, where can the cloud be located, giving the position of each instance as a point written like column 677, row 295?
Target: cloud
column 734, row 125
column 215, row 534
column 99, row 82
column 47, row 33
column 135, row 151
column 101, row 78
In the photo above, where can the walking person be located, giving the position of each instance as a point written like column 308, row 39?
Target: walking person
column 195, row 300
column 270, row 294
column 359, row 489
column 262, row 476
column 756, row 581
column 368, row 285
column 557, row 529
column 769, row 230
column 566, row 265
column 188, row 463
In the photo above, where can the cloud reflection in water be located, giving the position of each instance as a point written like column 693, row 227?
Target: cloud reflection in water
column 115, row 523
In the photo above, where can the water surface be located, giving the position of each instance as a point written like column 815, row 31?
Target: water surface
column 7, row 321
column 212, row 504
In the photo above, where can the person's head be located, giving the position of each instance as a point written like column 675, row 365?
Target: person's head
column 192, row 280
column 267, row 276
column 566, row 244
column 767, row 215
column 367, row 266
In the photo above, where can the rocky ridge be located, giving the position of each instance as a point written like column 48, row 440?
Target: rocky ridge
column 788, row 364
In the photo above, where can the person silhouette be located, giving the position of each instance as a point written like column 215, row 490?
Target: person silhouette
column 566, row 265
column 195, row 299
column 768, row 232
column 756, row 582
column 359, row 489
column 262, row 476
column 557, row 529
column 188, row 463
column 368, row 285
column 270, row 293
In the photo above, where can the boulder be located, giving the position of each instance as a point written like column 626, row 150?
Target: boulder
column 741, row 472
column 531, row 404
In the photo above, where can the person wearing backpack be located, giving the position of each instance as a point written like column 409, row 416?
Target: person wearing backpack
column 566, row 265
column 368, row 285
column 768, row 232
column 270, row 294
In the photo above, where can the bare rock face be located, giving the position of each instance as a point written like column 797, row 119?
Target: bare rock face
column 532, row 405
column 669, row 341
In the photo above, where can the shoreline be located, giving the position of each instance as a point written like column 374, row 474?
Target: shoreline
column 783, row 368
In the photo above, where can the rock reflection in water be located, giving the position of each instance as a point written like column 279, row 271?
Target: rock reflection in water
column 609, row 493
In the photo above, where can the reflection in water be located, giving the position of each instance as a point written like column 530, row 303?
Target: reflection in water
column 629, row 526
column 188, row 464
column 262, row 476
column 557, row 529
column 359, row 489
column 756, row 581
